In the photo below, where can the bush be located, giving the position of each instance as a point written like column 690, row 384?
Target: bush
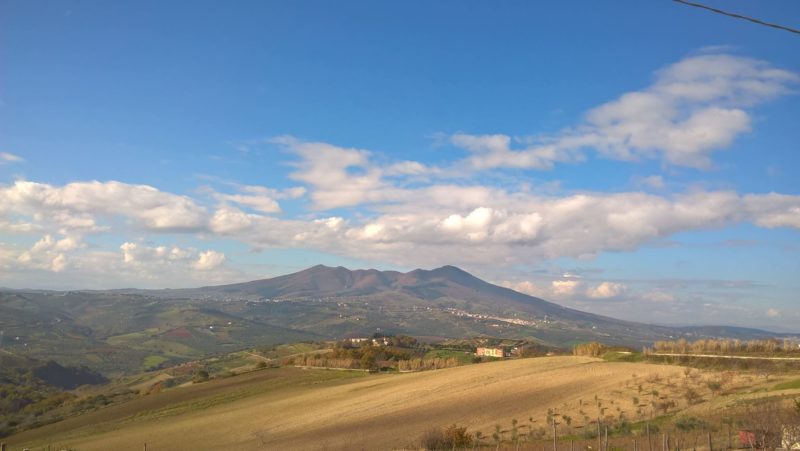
column 200, row 376
column 451, row 437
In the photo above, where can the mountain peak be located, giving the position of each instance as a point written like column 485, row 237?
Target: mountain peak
column 319, row 267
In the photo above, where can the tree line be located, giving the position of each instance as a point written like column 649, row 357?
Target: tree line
column 726, row 346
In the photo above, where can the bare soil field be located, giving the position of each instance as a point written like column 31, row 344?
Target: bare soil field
column 291, row 408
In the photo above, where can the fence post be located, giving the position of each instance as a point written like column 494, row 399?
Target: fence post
column 599, row 436
column 2, row 447
column 555, row 436
column 710, row 446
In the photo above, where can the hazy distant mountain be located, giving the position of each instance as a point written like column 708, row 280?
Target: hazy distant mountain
column 131, row 330
column 452, row 288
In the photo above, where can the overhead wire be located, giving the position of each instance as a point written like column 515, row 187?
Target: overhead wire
column 739, row 16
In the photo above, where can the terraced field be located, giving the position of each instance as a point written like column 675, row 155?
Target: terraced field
column 290, row 408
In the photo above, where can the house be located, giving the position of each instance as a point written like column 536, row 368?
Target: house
column 492, row 351
column 375, row 341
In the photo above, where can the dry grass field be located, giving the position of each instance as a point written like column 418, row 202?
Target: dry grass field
column 290, row 408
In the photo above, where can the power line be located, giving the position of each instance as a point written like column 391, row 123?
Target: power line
column 739, row 16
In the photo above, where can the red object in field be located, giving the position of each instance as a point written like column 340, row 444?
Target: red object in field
column 748, row 439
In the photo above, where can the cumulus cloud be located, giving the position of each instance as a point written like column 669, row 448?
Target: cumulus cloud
column 433, row 224
column 209, row 260
column 773, row 210
column 491, row 151
column 67, row 262
column 694, row 107
column 258, row 198
column 340, row 177
column 135, row 254
column 561, row 288
column 76, row 205
column 542, row 227
column 49, row 253
column 524, row 286
column 606, row 290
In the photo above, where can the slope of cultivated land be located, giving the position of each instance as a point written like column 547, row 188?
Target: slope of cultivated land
column 311, row 409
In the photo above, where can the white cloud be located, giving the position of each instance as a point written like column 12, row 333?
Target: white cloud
column 606, row 290
column 524, row 286
column 413, row 168
column 79, row 203
column 133, row 253
column 67, row 263
column 229, row 220
column 773, row 210
column 340, row 177
column 209, row 260
column 49, row 253
column 561, row 288
column 6, row 157
column 434, row 224
column 773, row 313
column 694, row 107
column 491, row 151
column 258, row 198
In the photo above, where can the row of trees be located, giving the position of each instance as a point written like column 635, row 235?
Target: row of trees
column 726, row 346
column 765, row 424
column 591, row 349
column 373, row 361
column 382, row 352
column 427, row 364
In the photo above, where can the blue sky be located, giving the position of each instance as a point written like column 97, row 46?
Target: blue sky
column 634, row 159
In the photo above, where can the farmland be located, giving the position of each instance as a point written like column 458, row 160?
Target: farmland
column 291, row 408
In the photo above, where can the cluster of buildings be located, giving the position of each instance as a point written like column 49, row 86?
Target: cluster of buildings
column 380, row 341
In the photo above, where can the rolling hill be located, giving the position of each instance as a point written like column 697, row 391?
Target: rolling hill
column 126, row 331
column 294, row 408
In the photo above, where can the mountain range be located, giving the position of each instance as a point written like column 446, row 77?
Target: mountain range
column 450, row 286
column 133, row 329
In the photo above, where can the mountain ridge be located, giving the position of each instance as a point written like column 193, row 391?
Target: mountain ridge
column 447, row 281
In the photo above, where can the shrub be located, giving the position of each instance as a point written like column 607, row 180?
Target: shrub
column 449, row 438
column 200, row 376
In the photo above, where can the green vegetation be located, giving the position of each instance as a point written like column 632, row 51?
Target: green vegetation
column 404, row 353
column 463, row 357
column 730, row 347
column 32, row 392
column 623, row 356
column 788, row 385
column 451, row 437
column 152, row 362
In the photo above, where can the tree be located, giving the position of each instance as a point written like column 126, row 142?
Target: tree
column 201, row 375
column 497, row 436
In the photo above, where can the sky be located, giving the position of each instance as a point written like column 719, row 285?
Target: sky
column 633, row 159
